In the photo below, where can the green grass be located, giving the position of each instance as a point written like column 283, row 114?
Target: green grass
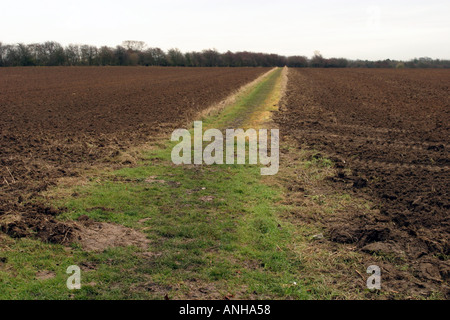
column 26, row 258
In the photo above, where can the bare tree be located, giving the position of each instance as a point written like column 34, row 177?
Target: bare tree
column 297, row 62
column 106, row 56
column 89, row 55
column 212, row 58
column 73, row 54
column 175, row 57
column 3, row 51
column 197, row 59
column 121, row 56
column 24, row 55
column 152, row 57
column 317, row 60
column 159, row 56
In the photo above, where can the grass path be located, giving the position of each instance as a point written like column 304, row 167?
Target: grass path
column 215, row 231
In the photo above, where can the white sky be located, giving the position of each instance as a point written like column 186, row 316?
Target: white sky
column 363, row 29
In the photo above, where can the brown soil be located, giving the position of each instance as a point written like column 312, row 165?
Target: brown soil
column 56, row 122
column 98, row 236
column 45, row 275
column 388, row 134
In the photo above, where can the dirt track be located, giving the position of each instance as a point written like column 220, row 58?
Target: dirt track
column 388, row 133
column 56, row 121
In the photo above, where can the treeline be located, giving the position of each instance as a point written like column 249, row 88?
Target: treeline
column 415, row 63
column 134, row 53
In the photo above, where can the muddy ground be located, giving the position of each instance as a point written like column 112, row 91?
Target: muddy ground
column 388, row 133
column 55, row 122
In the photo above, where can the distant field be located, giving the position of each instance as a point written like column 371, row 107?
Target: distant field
column 388, row 133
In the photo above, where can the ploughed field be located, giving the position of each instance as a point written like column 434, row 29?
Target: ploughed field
column 388, row 132
column 56, row 121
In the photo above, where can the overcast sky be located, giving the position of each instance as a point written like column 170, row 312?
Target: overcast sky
column 353, row 29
